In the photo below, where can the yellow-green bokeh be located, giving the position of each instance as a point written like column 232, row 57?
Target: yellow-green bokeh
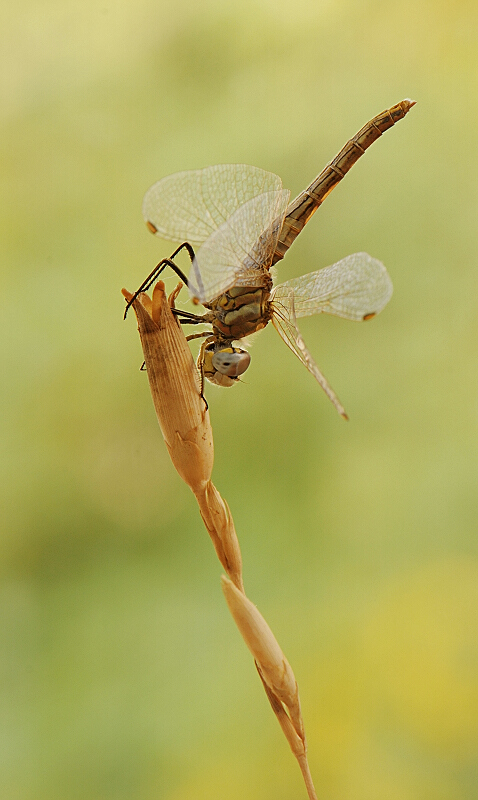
column 122, row 674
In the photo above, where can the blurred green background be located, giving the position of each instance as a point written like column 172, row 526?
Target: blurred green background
column 123, row 675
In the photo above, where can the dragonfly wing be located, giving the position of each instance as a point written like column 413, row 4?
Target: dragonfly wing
column 284, row 321
column 189, row 206
column 240, row 251
column 357, row 288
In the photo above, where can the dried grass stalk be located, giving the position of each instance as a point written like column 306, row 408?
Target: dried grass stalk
column 174, row 383
column 220, row 526
column 184, row 420
column 271, row 661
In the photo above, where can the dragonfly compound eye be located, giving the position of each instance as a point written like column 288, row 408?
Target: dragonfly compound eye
column 231, row 361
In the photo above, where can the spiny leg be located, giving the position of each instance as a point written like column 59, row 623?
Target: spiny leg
column 197, row 335
column 200, row 365
column 154, row 275
column 186, row 318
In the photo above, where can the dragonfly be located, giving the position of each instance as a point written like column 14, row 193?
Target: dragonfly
column 236, row 222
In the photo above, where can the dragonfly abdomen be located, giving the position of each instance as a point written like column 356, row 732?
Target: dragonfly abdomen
column 307, row 202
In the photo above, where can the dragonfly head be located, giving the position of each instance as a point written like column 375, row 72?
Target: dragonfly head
column 224, row 365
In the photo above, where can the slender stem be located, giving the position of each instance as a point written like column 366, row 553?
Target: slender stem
column 304, row 768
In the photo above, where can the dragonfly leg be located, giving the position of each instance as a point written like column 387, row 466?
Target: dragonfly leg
column 200, row 366
column 197, row 335
column 186, row 318
column 188, row 247
column 154, row 275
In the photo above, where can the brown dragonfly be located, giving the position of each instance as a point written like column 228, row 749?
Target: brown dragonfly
column 240, row 219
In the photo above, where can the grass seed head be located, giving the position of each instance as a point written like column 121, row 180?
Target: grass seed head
column 175, row 388
column 274, row 667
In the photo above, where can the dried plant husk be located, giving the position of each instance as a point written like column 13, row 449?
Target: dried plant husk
column 184, row 420
column 220, row 526
column 271, row 662
column 175, row 388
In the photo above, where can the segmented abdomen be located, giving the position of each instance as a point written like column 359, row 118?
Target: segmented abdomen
column 308, row 201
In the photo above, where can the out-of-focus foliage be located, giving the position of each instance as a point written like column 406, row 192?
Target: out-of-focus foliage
column 122, row 673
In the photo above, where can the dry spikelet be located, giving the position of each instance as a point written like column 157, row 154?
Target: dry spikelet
column 174, row 383
column 271, row 661
column 275, row 672
column 183, row 417
column 184, row 421
column 220, row 526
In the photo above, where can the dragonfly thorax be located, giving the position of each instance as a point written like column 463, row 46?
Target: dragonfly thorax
column 240, row 311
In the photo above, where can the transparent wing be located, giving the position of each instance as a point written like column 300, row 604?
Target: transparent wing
column 240, row 251
column 357, row 288
column 283, row 319
column 189, row 206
